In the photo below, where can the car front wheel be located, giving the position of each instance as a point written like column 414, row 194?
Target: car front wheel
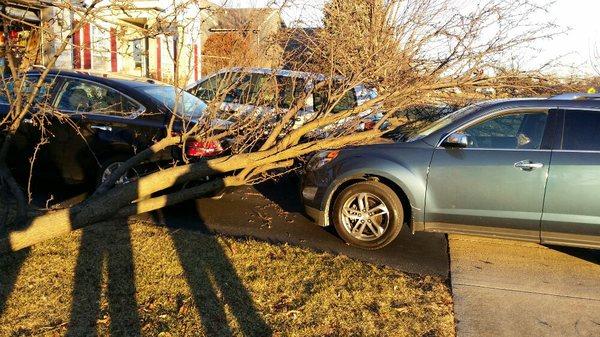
column 368, row 215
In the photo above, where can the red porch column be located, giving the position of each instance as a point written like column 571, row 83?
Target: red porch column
column 195, row 62
column 158, row 59
column 76, row 39
column 87, row 47
column 113, row 50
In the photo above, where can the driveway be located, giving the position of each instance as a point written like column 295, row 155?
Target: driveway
column 509, row 288
column 273, row 212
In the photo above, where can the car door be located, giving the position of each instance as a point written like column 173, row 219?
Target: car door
column 106, row 124
column 494, row 186
column 34, row 131
column 572, row 205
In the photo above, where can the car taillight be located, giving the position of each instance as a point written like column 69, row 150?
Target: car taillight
column 207, row 148
column 369, row 125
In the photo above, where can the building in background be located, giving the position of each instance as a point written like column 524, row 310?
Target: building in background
column 155, row 39
column 243, row 37
column 23, row 33
column 139, row 37
column 299, row 46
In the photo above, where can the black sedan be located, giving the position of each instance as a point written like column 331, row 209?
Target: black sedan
column 98, row 121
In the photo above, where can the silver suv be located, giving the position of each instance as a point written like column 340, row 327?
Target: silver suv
column 263, row 89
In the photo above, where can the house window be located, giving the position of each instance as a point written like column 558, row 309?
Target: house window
column 137, row 47
column 100, row 46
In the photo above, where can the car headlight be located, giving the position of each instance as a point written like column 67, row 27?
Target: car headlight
column 320, row 159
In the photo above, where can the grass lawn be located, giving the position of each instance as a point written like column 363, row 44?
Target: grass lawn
column 140, row 279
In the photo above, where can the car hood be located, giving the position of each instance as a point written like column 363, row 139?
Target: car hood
column 379, row 144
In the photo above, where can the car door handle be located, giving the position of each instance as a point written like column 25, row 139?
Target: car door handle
column 101, row 127
column 528, row 165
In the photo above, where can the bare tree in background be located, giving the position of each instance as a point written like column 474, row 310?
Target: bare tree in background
column 414, row 53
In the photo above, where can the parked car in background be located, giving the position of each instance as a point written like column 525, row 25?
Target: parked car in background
column 518, row 169
column 262, row 89
column 110, row 118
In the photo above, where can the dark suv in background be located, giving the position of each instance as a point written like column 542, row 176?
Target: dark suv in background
column 526, row 169
column 107, row 119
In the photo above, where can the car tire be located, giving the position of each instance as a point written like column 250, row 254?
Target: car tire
column 109, row 164
column 371, row 223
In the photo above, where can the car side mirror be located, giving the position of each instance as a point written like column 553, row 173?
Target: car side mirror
column 456, row 140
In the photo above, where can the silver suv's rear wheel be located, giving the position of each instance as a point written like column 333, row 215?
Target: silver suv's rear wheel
column 368, row 215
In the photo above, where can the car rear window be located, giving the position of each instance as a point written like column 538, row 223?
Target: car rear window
column 180, row 102
column 581, row 131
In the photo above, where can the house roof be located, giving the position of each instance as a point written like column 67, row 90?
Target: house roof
column 298, row 39
column 250, row 19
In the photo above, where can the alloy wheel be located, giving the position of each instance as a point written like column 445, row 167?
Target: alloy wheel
column 126, row 178
column 365, row 216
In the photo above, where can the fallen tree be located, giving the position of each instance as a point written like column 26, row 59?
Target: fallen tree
column 419, row 53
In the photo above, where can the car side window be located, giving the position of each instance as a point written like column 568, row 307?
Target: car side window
column 208, row 89
column 87, row 97
column 241, row 89
column 347, row 101
column 581, row 131
column 523, row 130
column 43, row 95
column 262, row 90
column 290, row 89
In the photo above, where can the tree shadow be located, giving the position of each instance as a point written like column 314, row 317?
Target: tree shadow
column 215, row 284
column 284, row 191
column 10, row 263
column 86, row 309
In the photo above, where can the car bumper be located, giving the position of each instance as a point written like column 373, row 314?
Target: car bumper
column 313, row 199
column 316, row 214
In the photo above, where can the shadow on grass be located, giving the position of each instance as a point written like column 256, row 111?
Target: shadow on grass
column 10, row 265
column 94, row 251
column 219, row 294
column 211, row 277
column 215, row 284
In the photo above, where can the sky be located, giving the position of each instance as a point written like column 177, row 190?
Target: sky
column 578, row 46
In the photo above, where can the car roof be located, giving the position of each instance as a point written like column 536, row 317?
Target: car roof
column 129, row 85
column 273, row 71
column 542, row 102
column 269, row 71
column 102, row 77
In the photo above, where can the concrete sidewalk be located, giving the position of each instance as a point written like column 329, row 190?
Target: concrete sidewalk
column 509, row 288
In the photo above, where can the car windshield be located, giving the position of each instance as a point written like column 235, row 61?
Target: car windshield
column 441, row 123
column 182, row 103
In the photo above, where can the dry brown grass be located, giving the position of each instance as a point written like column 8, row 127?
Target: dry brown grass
column 152, row 281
